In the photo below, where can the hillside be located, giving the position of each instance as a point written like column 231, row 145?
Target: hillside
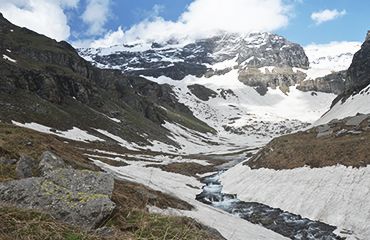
column 47, row 83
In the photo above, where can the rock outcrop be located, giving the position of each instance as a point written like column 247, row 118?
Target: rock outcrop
column 281, row 78
column 359, row 71
column 202, row 92
column 77, row 197
column 332, row 83
column 50, row 162
column 24, row 167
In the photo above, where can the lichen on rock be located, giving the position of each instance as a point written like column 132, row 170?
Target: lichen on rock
column 77, row 197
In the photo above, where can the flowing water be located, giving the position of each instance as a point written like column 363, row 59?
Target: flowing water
column 287, row 224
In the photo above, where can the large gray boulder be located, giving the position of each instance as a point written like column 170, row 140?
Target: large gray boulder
column 25, row 166
column 77, row 197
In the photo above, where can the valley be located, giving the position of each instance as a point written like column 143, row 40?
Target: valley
column 238, row 136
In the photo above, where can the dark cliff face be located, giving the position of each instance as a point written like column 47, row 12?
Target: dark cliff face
column 359, row 71
column 52, row 70
column 46, row 81
column 358, row 74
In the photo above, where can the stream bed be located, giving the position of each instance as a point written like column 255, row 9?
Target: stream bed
column 287, row 224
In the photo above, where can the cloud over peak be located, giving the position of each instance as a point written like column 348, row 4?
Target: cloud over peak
column 43, row 16
column 204, row 18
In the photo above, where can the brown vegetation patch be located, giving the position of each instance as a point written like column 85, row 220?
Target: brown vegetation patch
column 114, row 163
column 185, row 168
column 131, row 215
column 32, row 225
column 305, row 149
column 133, row 195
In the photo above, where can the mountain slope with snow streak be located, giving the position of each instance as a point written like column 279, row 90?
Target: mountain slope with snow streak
column 242, row 117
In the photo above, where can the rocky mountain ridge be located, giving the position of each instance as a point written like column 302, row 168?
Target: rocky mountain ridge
column 248, row 53
column 263, row 60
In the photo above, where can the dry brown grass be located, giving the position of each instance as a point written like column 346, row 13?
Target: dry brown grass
column 189, row 168
column 304, row 149
column 131, row 195
column 32, row 225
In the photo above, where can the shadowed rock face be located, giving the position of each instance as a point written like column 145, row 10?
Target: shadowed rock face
column 24, row 168
column 73, row 196
column 359, row 71
column 202, row 92
column 358, row 74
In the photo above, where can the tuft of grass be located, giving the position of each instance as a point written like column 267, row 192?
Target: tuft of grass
column 149, row 226
column 131, row 224
column 32, row 225
column 7, row 172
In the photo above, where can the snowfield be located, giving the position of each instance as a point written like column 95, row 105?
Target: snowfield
column 242, row 117
column 335, row 195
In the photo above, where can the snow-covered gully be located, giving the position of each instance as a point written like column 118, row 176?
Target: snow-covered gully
column 285, row 223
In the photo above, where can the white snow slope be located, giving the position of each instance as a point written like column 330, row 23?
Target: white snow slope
column 335, row 195
column 255, row 118
column 358, row 103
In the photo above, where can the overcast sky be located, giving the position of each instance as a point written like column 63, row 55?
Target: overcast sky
column 109, row 22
